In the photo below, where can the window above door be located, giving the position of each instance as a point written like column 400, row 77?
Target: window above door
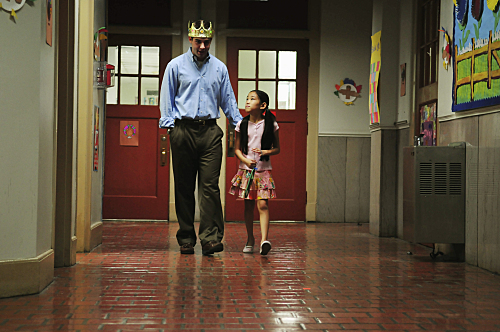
column 137, row 75
column 274, row 72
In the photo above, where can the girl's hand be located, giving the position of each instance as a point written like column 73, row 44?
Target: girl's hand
column 259, row 152
column 250, row 163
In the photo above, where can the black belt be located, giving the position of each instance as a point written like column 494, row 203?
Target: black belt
column 191, row 122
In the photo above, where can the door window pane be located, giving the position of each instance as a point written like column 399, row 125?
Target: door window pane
column 244, row 87
column 112, row 94
column 270, row 89
column 130, row 60
column 246, row 64
column 287, row 65
column 113, row 57
column 267, row 64
column 150, row 60
column 286, row 95
column 129, row 90
column 149, row 90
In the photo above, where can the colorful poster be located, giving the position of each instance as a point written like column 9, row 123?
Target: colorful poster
column 476, row 42
column 96, row 138
column 428, row 128
column 374, row 75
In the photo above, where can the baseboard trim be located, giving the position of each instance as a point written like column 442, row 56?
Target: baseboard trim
column 95, row 235
column 311, row 211
column 73, row 251
column 26, row 276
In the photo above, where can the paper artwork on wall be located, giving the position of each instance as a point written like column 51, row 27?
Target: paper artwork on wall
column 374, row 75
column 476, row 54
column 129, row 133
column 96, row 138
column 446, row 51
column 347, row 91
column 428, row 130
column 48, row 15
column 402, row 69
column 101, row 44
column 12, row 6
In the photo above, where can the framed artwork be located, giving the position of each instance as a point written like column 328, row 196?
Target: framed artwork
column 428, row 124
column 476, row 43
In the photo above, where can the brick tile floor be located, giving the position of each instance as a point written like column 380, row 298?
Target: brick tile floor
column 317, row 277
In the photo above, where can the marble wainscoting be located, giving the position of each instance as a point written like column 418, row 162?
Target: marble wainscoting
column 464, row 130
column 343, row 179
column 403, row 140
column 488, row 198
column 482, row 223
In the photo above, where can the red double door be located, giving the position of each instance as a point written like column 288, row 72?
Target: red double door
column 280, row 68
column 136, row 165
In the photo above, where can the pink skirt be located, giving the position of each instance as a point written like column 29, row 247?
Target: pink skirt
column 262, row 186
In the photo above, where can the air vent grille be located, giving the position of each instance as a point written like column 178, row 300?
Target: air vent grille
column 455, row 179
column 440, row 178
column 425, row 178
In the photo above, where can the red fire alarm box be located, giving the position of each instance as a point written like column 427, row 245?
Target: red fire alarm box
column 110, row 77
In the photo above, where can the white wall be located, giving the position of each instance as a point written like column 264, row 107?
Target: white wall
column 345, row 52
column 27, row 135
column 47, row 134
column 406, row 55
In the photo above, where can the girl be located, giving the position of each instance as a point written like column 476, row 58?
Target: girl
column 257, row 138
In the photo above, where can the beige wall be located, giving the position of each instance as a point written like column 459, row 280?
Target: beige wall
column 27, row 135
column 345, row 53
column 27, row 176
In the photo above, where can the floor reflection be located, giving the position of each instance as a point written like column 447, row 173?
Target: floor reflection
column 317, row 277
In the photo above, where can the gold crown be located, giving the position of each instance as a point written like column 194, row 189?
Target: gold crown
column 201, row 32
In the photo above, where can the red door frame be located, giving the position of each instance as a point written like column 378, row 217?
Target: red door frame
column 289, row 167
column 155, row 207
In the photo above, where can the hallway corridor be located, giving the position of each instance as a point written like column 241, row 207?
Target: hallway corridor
column 317, row 277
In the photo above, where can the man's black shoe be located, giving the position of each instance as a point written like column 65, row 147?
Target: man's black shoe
column 212, row 246
column 187, row 248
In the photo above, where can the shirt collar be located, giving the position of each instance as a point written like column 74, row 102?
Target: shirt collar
column 194, row 58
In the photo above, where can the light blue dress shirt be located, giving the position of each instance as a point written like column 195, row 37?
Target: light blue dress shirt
column 192, row 92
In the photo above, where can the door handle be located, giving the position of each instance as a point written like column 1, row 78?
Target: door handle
column 163, row 150
column 163, row 157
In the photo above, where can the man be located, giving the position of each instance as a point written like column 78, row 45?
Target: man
column 194, row 86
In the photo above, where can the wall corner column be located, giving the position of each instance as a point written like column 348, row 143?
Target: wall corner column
column 85, row 112
column 384, row 153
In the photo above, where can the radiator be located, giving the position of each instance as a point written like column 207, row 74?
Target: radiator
column 434, row 194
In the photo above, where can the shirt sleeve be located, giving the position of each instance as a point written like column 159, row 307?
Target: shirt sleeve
column 228, row 101
column 167, row 97
column 238, row 126
column 276, row 127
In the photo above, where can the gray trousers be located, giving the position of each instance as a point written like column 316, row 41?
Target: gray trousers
column 197, row 151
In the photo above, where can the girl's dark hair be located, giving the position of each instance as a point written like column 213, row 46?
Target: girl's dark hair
column 268, row 135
